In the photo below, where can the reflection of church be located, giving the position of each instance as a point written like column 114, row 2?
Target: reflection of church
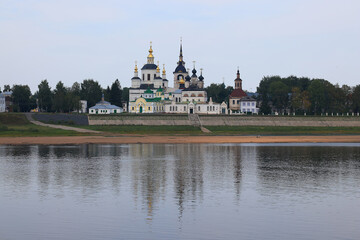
column 151, row 93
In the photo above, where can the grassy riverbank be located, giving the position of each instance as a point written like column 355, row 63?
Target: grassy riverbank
column 16, row 125
column 227, row 130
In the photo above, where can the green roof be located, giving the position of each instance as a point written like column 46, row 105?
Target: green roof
column 160, row 90
column 148, row 91
column 153, row 99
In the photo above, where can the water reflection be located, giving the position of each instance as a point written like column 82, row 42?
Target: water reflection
column 148, row 178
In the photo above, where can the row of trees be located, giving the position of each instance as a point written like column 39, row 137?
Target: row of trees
column 304, row 95
column 65, row 99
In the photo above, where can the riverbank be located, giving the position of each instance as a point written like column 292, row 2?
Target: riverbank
column 147, row 139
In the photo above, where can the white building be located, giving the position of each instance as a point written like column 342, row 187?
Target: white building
column 2, row 103
column 151, row 93
column 248, row 105
column 104, row 107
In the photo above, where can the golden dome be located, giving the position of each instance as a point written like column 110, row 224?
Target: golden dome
column 157, row 68
column 136, row 68
column 163, row 71
column 182, row 81
column 150, row 51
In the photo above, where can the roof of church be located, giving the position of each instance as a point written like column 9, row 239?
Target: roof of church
column 149, row 66
column 180, row 68
column 238, row 93
column 193, row 88
column 135, row 78
column 148, row 91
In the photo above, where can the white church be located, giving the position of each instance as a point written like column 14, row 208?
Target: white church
column 150, row 92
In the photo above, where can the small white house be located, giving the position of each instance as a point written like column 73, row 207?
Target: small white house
column 104, row 107
column 248, row 105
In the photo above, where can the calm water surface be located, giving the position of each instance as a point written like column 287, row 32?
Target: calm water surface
column 180, row 191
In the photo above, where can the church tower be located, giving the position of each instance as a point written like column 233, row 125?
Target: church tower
column 180, row 71
column 238, row 81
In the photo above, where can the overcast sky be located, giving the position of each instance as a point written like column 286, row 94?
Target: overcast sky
column 73, row 40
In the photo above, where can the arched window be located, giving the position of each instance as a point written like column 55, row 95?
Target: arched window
column 200, row 95
column 180, row 77
column 193, row 95
column 186, row 95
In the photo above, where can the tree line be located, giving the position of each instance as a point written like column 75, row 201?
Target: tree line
column 305, row 95
column 65, row 99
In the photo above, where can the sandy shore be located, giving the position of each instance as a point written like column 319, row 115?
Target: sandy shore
column 176, row 139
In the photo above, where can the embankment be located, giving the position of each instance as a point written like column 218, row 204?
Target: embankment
column 225, row 120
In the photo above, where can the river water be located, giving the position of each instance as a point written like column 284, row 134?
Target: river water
column 180, row 191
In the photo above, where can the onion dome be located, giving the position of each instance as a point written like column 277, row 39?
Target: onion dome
column 181, row 81
column 187, row 78
column 194, row 73
column 201, row 78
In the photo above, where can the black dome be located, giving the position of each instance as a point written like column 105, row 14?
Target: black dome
column 135, row 78
column 149, row 66
column 180, row 69
column 194, row 73
column 187, row 78
column 201, row 78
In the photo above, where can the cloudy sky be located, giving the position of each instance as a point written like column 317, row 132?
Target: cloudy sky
column 73, row 40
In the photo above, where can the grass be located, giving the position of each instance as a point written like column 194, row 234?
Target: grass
column 277, row 130
column 16, row 125
column 155, row 130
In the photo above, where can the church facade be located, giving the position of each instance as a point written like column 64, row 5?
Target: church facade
column 150, row 93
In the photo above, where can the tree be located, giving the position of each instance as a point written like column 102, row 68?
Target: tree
column 116, row 94
column 318, row 96
column 125, row 94
column 60, row 100
column 356, row 99
column 44, row 96
column 279, row 95
column 21, row 98
column 7, row 88
column 218, row 92
column 91, row 92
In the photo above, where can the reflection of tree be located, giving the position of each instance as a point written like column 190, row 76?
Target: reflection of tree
column 293, row 170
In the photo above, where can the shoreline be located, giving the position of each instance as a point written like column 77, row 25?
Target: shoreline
column 148, row 139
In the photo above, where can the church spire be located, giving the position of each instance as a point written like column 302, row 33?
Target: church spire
column 150, row 58
column 181, row 53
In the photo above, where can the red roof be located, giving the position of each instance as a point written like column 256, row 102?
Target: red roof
column 238, row 93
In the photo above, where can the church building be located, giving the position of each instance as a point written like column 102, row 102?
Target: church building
column 151, row 93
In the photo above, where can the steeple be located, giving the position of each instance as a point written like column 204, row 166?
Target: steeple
column 163, row 72
column 136, row 70
column 238, row 81
column 150, row 58
column 181, row 60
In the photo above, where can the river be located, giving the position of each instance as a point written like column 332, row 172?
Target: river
column 180, row 191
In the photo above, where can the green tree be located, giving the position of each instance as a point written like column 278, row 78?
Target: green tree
column 91, row 92
column 279, row 93
column 7, row 88
column 116, row 94
column 356, row 99
column 218, row 92
column 44, row 96
column 125, row 94
column 60, row 103
column 21, row 98
column 318, row 96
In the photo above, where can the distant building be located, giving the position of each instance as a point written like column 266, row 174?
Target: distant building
column 248, row 105
column 7, row 98
column 237, row 94
column 104, row 107
column 83, row 106
column 2, row 103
